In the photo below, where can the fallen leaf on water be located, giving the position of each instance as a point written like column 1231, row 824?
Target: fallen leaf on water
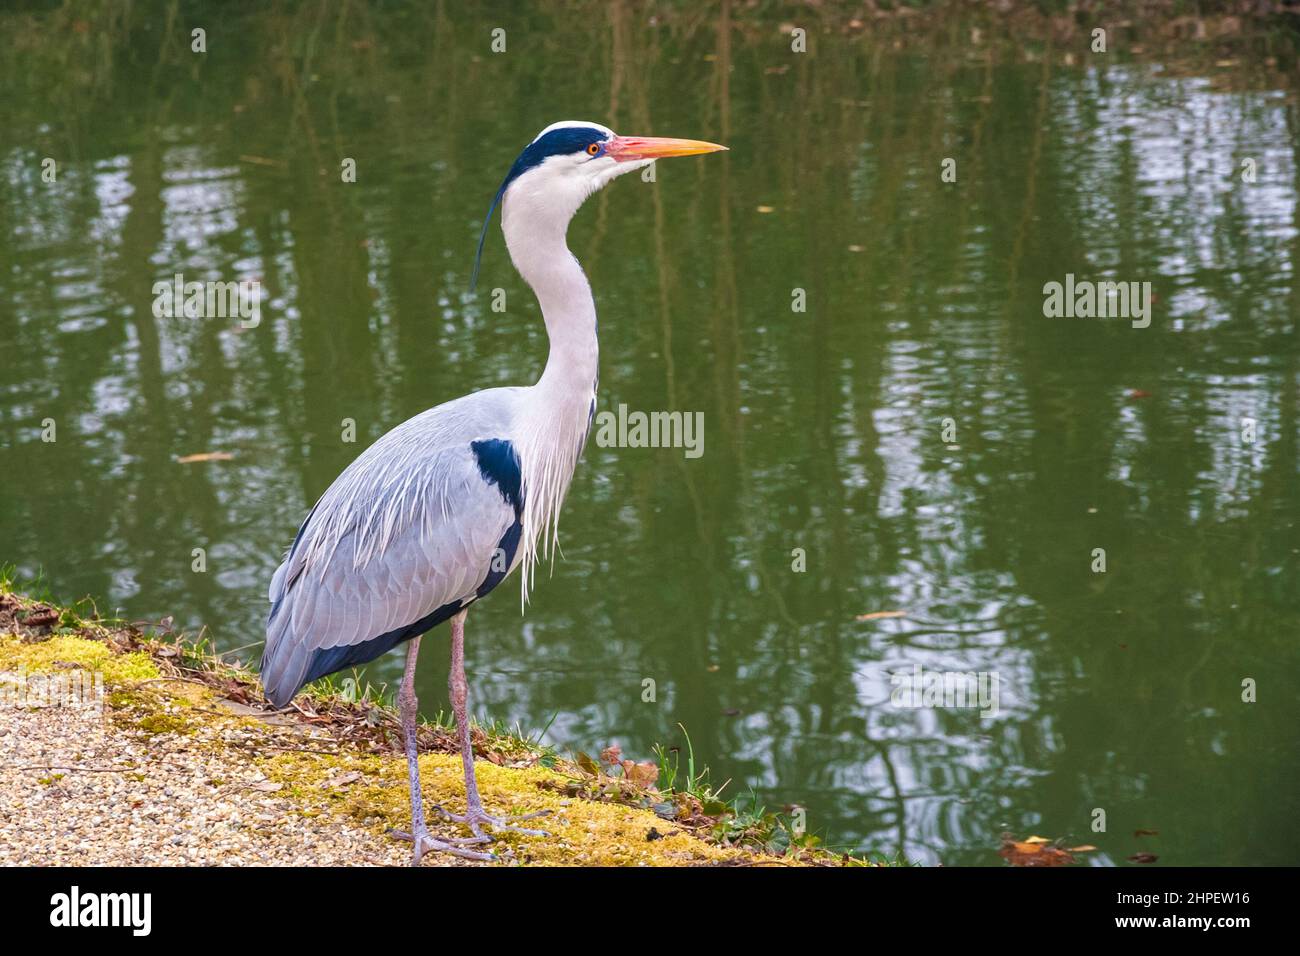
column 1143, row 858
column 1138, row 393
column 1137, row 833
column 1086, row 848
column 205, row 456
column 1033, row 851
column 877, row 615
column 766, row 209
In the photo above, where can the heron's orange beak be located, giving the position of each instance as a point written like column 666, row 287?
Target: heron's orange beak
column 626, row 148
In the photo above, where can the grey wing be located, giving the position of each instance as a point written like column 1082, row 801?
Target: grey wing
column 406, row 530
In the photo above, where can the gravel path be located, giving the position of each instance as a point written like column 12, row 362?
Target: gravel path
column 77, row 789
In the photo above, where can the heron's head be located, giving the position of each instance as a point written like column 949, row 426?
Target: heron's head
column 565, row 164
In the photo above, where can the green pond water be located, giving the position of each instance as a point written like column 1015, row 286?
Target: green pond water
column 826, row 490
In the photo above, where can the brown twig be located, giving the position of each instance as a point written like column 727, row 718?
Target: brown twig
column 83, row 769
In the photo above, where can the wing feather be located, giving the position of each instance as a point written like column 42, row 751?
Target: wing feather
column 409, row 527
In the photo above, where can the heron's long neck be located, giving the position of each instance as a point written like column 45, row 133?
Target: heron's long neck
column 557, row 413
column 544, row 260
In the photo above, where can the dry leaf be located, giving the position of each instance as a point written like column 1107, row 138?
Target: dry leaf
column 1033, row 851
column 644, row 774
column 1143, row 858
column 205, row 456
column 766, row 209
column 878, row 615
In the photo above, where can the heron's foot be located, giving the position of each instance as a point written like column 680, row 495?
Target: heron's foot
column 476, row 819
column 426, row 842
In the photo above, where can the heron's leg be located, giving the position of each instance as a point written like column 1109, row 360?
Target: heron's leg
column 474, row 815
column 420, row 836
column 459, row 704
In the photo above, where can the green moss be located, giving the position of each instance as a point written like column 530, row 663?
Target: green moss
column 64, row 649
column 162, row 722
column 580, row 832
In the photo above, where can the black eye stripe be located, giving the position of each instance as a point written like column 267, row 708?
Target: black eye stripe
column 558, row 142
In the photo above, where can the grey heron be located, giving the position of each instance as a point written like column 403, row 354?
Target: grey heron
column 441, row 509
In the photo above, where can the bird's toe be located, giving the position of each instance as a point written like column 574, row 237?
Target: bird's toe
column 425, row 842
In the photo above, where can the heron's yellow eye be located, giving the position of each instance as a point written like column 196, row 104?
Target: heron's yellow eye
column 593, row 149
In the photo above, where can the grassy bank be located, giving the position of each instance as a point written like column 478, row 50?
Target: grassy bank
column 181, row 761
